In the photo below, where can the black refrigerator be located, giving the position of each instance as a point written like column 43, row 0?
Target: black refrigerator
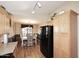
column 46, row 41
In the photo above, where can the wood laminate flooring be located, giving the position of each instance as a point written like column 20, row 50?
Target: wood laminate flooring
column 28, row 52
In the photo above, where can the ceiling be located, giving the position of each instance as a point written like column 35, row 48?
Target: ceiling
column 23, row 9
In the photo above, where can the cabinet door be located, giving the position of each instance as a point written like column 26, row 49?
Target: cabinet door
column 64, row 23
column 6, row 22
column 56, row 24
column 2, row 23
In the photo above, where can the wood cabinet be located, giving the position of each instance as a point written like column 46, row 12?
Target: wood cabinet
column 65, row 34
column 1, row 23
column 4, row 21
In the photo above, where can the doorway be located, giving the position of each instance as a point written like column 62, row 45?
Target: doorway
column 27, row 35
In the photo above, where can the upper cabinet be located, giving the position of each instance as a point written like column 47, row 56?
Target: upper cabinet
column 4, row 21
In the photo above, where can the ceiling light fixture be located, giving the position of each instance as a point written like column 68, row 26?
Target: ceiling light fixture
column 61, row 12
column 37, row 4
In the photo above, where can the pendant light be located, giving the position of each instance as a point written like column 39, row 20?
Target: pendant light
column 37, row 4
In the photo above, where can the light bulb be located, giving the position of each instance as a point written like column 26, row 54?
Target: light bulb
column 39, row 5
column 61, row 12
column 33, row 12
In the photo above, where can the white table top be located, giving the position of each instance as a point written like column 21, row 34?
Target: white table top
column 8, row 48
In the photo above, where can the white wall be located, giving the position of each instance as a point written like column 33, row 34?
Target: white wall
column 74, row 6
